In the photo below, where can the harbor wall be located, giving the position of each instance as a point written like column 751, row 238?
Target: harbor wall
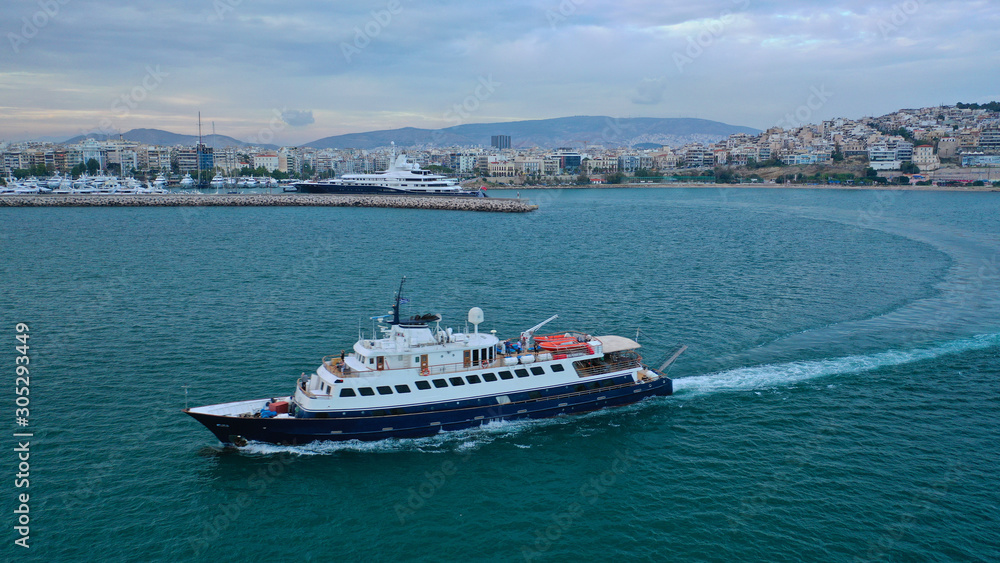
column 489, row 204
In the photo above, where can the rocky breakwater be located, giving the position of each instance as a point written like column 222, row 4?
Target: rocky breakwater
column 496, row 205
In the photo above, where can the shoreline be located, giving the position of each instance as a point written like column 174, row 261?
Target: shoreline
column 485, row 204
column 890, row 187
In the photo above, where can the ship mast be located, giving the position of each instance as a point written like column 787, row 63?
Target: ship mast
column 399, row 299
column 198, row 164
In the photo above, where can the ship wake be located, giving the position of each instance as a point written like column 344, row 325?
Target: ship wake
column 777, row 375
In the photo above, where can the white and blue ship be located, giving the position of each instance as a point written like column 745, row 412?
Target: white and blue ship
column 420, row 379
column 402, row 178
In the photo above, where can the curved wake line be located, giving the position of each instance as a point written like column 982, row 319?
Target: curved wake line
column 756, row 377
column 443, row 442
column 740, row 379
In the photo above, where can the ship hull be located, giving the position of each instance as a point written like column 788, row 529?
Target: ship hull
column 351, row 189
column 427, row 420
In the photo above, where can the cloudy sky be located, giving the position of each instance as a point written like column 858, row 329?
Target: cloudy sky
column 293, row 71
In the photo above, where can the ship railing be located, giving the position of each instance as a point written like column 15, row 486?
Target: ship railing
column 304, row 386
column 616, row 361
column 335, row 365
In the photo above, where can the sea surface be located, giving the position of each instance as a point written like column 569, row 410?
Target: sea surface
column 839, row 399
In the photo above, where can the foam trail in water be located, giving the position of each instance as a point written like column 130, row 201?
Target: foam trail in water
column 454, row 441
column 756, row 377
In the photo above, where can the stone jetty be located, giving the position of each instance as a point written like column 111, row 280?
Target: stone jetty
column 492, row 204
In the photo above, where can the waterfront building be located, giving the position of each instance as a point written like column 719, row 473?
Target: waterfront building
column 206, row 158
column 628, row 163
column 881, row 156
column 989, row 140
column 288, row 161
column 268, row 160
column 925, row 159
column 186, row 159
column 948, row 147
column 529, row 165
column 91, row 149
column 227, row 159
column 980, row 159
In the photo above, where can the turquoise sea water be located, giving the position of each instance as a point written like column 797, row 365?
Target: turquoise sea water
column 838, row 402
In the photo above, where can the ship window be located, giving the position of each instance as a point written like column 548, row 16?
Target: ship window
column 366, row 391
column 558, row 367
column 371, row 360
column 423, row 385
column 347, row 392
column 384, row 390
column 535, row 395
column 456, row 381
column 489, row 377
column 506, row 375
column 473, row 379
column 402, row 388
column 521, row 372
column 397, row 411
column 379, row 413
column 580, row 387
column 537, row 370
column 439, row 383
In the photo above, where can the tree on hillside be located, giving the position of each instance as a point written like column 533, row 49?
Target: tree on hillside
column 992, row 106
column 908, row 167
column 583, row 179
column 93, row 166
column 838, row 155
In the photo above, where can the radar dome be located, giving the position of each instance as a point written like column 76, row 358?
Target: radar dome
column 475, row 316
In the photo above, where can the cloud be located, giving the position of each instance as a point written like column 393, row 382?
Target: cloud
column 649, row 91
column 751, row 60
column 297, row 118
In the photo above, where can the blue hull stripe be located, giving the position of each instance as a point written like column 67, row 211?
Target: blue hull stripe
column 299, row 430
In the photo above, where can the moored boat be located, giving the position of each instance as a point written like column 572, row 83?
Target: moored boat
column 418, row 380
column 402, row 178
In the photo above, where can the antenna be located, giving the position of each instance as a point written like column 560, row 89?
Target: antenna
column 667, row 363
column 198, row 151
column 399, row 299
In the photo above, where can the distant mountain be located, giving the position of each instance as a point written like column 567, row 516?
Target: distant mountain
column 578, row 132
column 166, row 138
